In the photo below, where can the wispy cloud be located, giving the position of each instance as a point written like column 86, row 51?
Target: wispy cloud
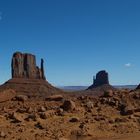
column 128, row 65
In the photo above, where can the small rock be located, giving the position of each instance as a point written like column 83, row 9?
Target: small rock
column 108, row 93
column 29, row 110
column 47, row 114
column 32, row 116
column 127, row 110
column 16, row 117
column 2, row 134
column 22, row 98
column 111, row 121
column 60, row 112
column 100, row 118
column 74, row 119
column 21, row 110
column 42, row 109
column 40, row 125
column 121, row 120
column 136, row 96
column 55, row 98
column 89, row 105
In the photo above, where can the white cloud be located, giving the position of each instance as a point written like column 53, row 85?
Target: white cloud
column 128, row 65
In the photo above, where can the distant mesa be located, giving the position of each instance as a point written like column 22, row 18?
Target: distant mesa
column 101, row 80
column 24, row 66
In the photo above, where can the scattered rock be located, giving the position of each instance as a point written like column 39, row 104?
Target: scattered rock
column 127, row 109
column 40, row 125
column 60, row 112
column 29, row 110
column 100, row 118
column 22, row 98
column 121, row 120
column 42, row 109
column 108, row 93
column 32, row 117
column 74, row 119
column 111, row 121
column 47, row 114
column 136, row 95
column 68, row 105
column 55, row 98
column 16, row 117
column 2, row 134
column 21, row 110
column 89, row 105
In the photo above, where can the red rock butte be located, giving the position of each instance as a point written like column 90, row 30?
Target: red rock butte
column 101, row 82
column 24, row 66
column 27, row 77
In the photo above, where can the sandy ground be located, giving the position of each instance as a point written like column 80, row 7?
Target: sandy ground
column 113, row 116
column 129, row 137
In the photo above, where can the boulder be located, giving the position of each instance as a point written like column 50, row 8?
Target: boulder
column 55, row 98
column 89, row 105
column 22, row 98
column 2, row 134
column 127, row 109
column 16, row 117
column 68, row 105
column 29, row 110
column 42, row 109
column 60, row 112
column 108, row 93
column 31, row 117
column 47, row 114
column 74, row 119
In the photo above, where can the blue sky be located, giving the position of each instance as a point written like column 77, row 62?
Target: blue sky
column 76, row 38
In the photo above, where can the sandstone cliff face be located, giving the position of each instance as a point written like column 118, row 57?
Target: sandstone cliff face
column 24, row 66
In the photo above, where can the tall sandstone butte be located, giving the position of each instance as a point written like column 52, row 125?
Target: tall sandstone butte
column 24, row 66
column 101, row 79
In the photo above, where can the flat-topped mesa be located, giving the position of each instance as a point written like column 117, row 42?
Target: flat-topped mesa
column 24, row 66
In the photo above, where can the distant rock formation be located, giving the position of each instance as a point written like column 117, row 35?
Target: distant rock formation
column 101, row 80
column 24, row 66
column 138, row 87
